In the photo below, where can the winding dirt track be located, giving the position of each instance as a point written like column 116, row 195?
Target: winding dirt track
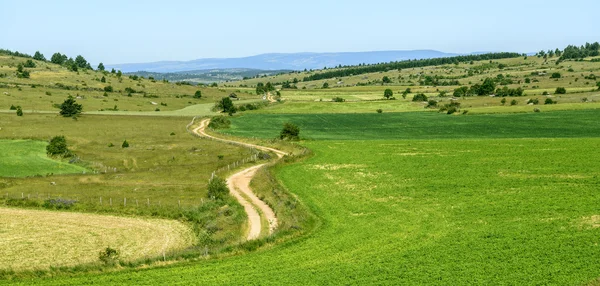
column 239, row 187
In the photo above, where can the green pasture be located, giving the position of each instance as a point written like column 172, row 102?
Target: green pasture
column 421, row 125
column 22, row 158
column 455, row 212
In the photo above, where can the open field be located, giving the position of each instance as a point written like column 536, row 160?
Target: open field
column 474, row 211
column 21, row 158
column 420, row 125
column 29, row 238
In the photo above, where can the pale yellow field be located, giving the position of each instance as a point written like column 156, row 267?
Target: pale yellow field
column 38, row 239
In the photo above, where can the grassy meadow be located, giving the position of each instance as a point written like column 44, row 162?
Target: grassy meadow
column 22, row 158
column 460, row 211
column 420, row 125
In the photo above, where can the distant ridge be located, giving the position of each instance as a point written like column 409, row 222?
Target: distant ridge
column 281, row 61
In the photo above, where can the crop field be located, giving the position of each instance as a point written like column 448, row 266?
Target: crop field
column 82, row 237
column 462, row 211
column 21, row 158
column 419, row 125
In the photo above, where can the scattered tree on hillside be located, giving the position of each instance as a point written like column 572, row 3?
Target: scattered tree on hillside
column 29, row 64
column 419, row 97
column 560, row 90
column 555, row 75
column 290, row 131
column 198, row 94
column 226, row 105
column 386, row 79
column 58, row 147
column 125, row 144
column 325, row 85
column 388, row 93
column 81, row 62
column 58, row 58
column 103, row 79
column 19, row 111
column 101, row 67
column 39, row 56
column 70, row 108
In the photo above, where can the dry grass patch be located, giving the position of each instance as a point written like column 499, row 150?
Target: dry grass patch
column 36, row 239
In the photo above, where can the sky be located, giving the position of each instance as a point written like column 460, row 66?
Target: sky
column 134, row 31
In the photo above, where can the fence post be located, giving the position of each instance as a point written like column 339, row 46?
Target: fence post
column 100, row 200
column 124, row 202
column 110, row 201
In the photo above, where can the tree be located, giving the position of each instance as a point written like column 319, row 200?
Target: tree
column 227, row 106
column 386, row 79
column 58, row 147
column 113, row 71
column 39, row 56
column 217, row 189
column 598, row 85
column 325, row 85
column 461, row 91
column 503, row 101
column 70, row 108
column 198, row 94
column 125, row 144
column 108, row 88
column 260, row 88
column 119, row 74
column 419, row 97
column 81, row 62
column 19, row 111
column 103, row 79
column 29, row 64
column 290, row 131
column 560, row 90
column 555, row 75
column 388, row 93
column 58, row 58
column 101, row 67
column 513, row 102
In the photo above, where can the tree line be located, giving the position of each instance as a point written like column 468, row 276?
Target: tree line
column 57, row 58
column 363, row 69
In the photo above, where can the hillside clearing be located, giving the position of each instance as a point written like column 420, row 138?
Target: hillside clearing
column 29, row 238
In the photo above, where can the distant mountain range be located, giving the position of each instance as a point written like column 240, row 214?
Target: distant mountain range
column 292, row 61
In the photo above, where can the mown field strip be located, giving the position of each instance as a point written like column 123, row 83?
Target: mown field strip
column 37, row 239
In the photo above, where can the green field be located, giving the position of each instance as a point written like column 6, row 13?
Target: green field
column 21, row 158
column 464, row 211
column 421, row 125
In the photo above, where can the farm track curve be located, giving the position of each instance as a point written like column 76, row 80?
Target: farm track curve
column 239, row 186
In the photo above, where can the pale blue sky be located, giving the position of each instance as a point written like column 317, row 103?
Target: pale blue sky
column 142, row 31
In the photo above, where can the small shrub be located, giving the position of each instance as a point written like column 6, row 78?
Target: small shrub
column 555, row 75
column 533, row 101
column 58, row 147
column 125, row 144
column 19, row 111
column 338, row 99
column 419, row 97
column 48, row 93
column 290, row 131
column 172, row 133
column 217, row 189
column 545, row 93
column 561, row 90
column 110, row 145
column 198, row 94
column 536, row 110
column 109, row 256
column 503, row 101
column 219, row 122
column 379, row 110
column 431, row 104
column 108, row 88
column 513, row 102
column 12, row 107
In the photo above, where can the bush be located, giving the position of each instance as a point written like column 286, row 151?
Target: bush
column 513, row 102
column 19, row 111
column 290, row 131
column 419, row 97
column 536, row 110
column 109, row 256
column 325, row 85
column 219, row 122
column 29, row 64
column 198, row 94
column 58, row 147
column 555, row 75
column 549, row 101
column 125, row 144
column 561, row 90
column 59, row 204
column 388, row 93
column 533, row 101
column 503, row 101
column 217, row 189
column 545, row 93
column 431, row 104
column 338, row 99
column 379, row 110
column 12, row 107
column 108, row 88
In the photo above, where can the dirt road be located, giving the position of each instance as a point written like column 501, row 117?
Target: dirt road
column 239, row 187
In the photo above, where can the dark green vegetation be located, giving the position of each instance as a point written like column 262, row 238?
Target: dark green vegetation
column 415, row 125
column 456, row 212
column 363, row 69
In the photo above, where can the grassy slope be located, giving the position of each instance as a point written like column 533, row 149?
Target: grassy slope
column 82, row 237
column 411, row 125
column 28, row 158
column 426, row 212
